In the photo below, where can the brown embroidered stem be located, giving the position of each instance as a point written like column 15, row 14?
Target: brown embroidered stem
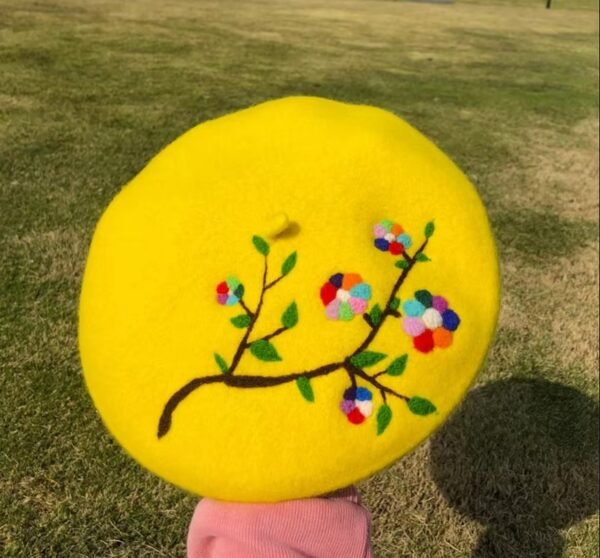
column 244, row 342
column 371, row 380
column 247, row 381
column 274, row 282
column 164, row 423
column 388, row 310
column 244, row 381
column 271, row 335
column 246, row 309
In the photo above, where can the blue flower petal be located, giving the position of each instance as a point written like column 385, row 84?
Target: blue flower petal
column 405, row 240
column 336, row 280
column 450, row 320
column 231, row 300
column 382, row 244
column 413, row 308
column 363, row 394
column 362, row 290
column 350, row 394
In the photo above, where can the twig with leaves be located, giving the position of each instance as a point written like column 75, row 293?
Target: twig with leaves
column 354, row 365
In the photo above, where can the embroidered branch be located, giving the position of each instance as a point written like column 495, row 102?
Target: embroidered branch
column 345, row 295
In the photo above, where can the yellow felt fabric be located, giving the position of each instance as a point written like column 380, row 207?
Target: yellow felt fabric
column 322, row 174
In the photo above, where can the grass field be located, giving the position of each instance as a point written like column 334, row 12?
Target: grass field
column 89, row 91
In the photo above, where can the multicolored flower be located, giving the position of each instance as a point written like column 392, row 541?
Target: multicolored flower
column 429, row 321
column 357, row 404
column 230, row 291
column 390, row 237
column 345, row 295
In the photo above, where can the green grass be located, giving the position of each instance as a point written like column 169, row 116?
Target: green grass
column 90, row 92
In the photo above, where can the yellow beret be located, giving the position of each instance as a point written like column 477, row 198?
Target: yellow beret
column 286, row 300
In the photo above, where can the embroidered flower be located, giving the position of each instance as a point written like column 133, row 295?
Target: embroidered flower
column 230, row 291
column 357, row 404
column 345, row 295
column 429, row 321
column 390, row 237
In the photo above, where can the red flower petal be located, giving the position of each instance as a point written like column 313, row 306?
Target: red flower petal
column 424, row 342
column 355, row 416
column 222, row 288
column 328, row 292
column 396, row 248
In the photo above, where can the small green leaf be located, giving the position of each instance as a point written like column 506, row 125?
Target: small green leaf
column 398, row 365
column 395, row 304
column 241, row 321
column 421, row 406
column 289, row 263
column 421, row 257
column 367, row 358
column 402, row 264
column 290, row 317
column 264, row 350
column 375, row 314
column 429, row 229
column 221, row 363
column 384, row 417
column 261, row 245
column 305, row 388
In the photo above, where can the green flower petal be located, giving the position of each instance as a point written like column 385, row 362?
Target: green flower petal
column 346, row 313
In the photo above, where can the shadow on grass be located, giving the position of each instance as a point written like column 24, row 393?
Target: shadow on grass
column 521, row 457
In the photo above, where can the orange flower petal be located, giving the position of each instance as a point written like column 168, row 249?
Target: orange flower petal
column 397, row 230
column 442, row 337
column 351, row 279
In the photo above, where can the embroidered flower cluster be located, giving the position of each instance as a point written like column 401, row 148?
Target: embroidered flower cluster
column 390, row 237
column 345, row 296
column 429, row 321
column 230, row 291
column 357, row 404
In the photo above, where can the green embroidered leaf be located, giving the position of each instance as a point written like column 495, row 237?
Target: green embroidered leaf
column 421, row 406
column 264, row 350
column 421, row 257
column 402, row 264
column 223, row 367
column 384, row 417
column 367, row 358
column 241, row 321
column 289, row 263
column 429, row 229
column 261, row 245
column 398, row 365
column 305, row 388
column 290, row 316
column 395, row 304
column 375, row 314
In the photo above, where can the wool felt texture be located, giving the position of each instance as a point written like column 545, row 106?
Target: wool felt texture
column 286, row 300
column 333, row 526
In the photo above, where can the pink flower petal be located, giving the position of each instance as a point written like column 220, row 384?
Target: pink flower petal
column 222, row 298
column 358, row 305
column 413, row 326
column 379, row 231
column 439, row 303
column 332, row 310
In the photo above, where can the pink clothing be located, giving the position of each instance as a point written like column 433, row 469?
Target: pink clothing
column 335, row 525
